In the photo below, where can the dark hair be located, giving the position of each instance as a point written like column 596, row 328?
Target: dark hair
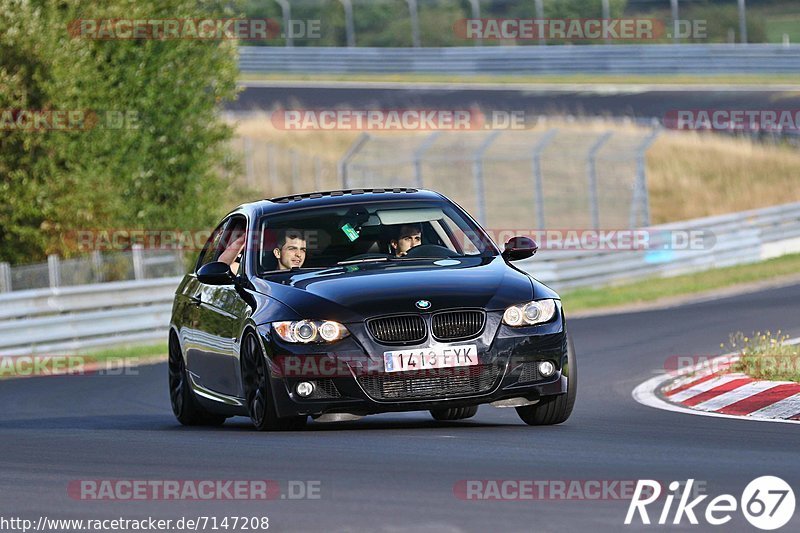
column 397, row 233
column 288, row 233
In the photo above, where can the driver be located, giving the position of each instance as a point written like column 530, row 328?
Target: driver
column 290, row 250
column 407, row 237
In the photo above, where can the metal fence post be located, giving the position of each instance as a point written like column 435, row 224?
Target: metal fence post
column 742, row 22
column 476, row 14
column 345, row 160
column 5, row 277
column 317, row 173
column 591, row 174
column 477, row 174
column 54, row 270
column 293, row 163
column 539, row 6
column 606, row 15
column 97, row 265
column 413, row 13
column 272, row 169
column 419, row 153
column 641, row 197
column 536, row 166
column 137, row 256
column 248, row 161
column 286, row 9
column 675, row 22
column 349, row 26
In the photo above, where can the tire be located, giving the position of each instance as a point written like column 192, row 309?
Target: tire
column 260, row 405
column 555, row 409
column 454, row 413
column 184, row 405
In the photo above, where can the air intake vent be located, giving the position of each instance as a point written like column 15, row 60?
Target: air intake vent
column 457, row 325
column 431, row 384
column 405, row 329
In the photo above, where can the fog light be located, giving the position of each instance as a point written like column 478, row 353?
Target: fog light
column 546, row 368
column 305, row 388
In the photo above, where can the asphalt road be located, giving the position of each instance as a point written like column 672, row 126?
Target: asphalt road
column 632, row 101
column 397, row 472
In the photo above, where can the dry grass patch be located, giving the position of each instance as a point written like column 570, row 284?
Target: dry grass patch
column 690, row 174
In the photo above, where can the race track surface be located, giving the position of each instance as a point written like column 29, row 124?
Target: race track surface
column 633, row 102
column 397, row 472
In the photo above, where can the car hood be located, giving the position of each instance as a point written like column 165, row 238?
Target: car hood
column 350, row 293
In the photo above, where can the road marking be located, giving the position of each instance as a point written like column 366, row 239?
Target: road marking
column 733, row 396
column 650, row 393
column 682, row 384
column 703, row 386
column 762, row 400
column 782, row 409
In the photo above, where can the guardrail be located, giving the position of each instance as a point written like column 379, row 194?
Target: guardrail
column 56, row 320
column 738, row 238
column 599, row 59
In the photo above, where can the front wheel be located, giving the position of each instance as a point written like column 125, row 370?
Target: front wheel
column 555, row 409
column 184, row 405
column 255, row 378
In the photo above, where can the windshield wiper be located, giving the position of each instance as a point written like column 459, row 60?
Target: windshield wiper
column 367, row 260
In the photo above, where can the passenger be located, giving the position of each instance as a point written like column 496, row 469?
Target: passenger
column 233, row 254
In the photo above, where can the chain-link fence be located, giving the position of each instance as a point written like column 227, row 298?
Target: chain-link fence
column 271, row 170
column 549, row 178
column 531, row 179
column 98, row 267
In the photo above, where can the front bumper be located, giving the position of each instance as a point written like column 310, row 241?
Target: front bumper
column 349, row 378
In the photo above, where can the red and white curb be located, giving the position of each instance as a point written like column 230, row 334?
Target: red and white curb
column 709, row 389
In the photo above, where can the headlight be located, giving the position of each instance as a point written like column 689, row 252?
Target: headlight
column 308, row 331
column 530, row 314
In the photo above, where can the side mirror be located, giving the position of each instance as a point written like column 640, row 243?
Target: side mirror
column 215, row 273
column 519, row 248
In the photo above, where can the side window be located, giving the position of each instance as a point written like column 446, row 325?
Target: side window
column 212, row 248
column 226, row 243
column 232, row 244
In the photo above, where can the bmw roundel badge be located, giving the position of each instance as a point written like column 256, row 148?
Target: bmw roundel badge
column 423, row 304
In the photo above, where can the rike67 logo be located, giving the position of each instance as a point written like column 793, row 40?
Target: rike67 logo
column 767, row 503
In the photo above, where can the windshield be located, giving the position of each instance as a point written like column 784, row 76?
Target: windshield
column 385, row 231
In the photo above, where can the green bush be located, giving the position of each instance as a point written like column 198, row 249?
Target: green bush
column 159, row 170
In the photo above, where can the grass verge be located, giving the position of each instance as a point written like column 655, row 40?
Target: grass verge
column 137, row 351
column 110, row 361
column 653, row 289
column 766, row 356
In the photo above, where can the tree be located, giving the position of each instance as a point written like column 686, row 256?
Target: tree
column 149, row 151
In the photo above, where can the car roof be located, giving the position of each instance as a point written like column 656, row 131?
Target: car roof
column 280, row 204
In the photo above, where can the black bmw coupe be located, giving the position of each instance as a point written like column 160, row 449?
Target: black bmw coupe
column 341, row 304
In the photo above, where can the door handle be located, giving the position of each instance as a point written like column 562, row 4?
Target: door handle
column 196, row 300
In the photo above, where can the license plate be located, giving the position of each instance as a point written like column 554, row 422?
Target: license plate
column 434, row 357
